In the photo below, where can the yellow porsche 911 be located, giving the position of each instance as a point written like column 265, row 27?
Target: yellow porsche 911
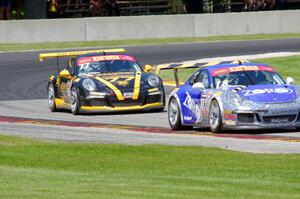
column 103, row 81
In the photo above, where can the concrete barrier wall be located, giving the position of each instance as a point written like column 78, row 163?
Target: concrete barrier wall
column 141, row 27
column 42, row 30
column 248, row 23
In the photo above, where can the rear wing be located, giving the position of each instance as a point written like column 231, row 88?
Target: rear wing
column 44, row 56
column 176, row 66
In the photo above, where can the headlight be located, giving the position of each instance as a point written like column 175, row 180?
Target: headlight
column 89, row 85
column 153, row 81
column 235, row 99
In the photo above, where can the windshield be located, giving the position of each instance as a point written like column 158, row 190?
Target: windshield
column 246, row 76
column 107, row 64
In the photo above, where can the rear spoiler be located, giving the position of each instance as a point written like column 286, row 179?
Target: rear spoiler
column 176, row 66
column 44, row 56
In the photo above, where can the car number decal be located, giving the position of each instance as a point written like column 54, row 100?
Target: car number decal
column 194, row 106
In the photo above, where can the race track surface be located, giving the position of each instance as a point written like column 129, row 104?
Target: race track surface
column 23, row 95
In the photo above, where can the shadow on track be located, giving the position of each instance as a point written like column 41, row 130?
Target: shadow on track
column 251, row 132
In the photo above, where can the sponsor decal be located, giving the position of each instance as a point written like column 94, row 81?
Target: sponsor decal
column 123, row 83
column 230, row 122
column 187, row 118
column 267, row 90
column 84, row 60
column 219, row 93
column 153, row 90
column 98, row 93
column 241, row 68
column 194, row 106
column 127, row 95
column 229, row 116
column 227, row 112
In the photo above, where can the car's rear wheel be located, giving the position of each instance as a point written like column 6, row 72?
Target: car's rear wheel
column 215, row 118
column 174, row 116
column 75, row 103
column 51, row 98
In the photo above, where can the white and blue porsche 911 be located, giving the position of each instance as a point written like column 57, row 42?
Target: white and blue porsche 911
column 233, row 95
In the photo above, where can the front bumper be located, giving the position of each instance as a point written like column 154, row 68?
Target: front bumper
column 152, row 106
column 271, row 116
column 110, row 103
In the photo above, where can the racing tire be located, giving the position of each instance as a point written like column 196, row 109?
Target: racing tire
column 215, row 117
column 51, row 98
column 174, row 116
column 75, row 102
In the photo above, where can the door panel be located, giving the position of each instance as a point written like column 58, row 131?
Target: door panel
column 191, row 98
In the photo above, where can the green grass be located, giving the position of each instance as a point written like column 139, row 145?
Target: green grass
column 33, row 169
column 286, row 67
column 57, row 45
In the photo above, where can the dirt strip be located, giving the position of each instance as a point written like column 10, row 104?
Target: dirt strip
column 153, row 130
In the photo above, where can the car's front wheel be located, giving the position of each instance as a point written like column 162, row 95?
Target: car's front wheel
column 51, row 98
column 75, row 103
column 174, row 116
column 215, row 118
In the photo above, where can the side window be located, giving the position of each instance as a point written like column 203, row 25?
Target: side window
column 202, row 77
column 194, row 78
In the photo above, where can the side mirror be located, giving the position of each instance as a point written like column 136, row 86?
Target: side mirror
column 147, row 68
column 289, row 80
column 199, row 85
column 66, row 74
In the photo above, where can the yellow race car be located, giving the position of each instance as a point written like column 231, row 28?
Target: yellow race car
column 103, row 81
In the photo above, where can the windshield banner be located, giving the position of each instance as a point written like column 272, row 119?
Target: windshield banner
column 221, row 71
column 85, row 60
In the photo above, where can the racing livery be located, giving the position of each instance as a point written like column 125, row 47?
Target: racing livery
column 233, row 95
column 103, row 81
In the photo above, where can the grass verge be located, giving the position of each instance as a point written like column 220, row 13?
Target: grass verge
column 33, row 169
column 286, row 67
column 58, row 45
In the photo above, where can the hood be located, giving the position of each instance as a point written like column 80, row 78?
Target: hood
column 121, row 80
column 269, row 93
column 124, row 81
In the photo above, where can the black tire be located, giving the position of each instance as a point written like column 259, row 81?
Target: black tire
column 51, row 98
column 75, row 102
column 215, row 117
column 174, row 116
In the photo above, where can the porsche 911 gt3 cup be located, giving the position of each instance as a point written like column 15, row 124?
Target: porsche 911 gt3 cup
column 233, row 95
column 103, row 81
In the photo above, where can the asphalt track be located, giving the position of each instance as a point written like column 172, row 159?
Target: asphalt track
column 23, row 95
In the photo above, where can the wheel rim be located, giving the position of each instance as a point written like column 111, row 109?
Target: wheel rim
column 51, row 97
column 73, row 100
column 173, row 112
column 214, row 115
